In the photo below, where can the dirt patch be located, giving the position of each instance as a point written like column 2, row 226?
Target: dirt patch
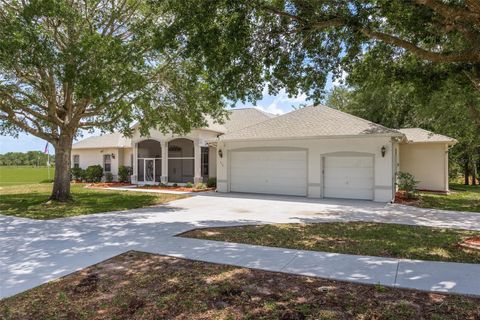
column 137, row 285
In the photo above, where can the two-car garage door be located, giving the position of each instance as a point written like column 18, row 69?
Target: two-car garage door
column 285, row 173
column 271, row 172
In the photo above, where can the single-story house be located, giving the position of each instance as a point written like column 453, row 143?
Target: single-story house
column 315, row 151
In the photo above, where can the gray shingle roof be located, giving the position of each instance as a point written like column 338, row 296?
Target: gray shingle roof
column 238, row 119
column 314, row 121
column 419, row 135
column 242, row 118
column 112, row 140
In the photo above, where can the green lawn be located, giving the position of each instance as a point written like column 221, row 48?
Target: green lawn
column 10, row 175
column 373, row 239
column 30, row 201
column 461, row 198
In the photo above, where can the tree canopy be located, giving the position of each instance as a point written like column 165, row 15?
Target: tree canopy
column 70, row 65
column 295, row 44
column 409, row 92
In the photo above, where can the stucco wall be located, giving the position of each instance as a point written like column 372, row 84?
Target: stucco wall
column 317, row 148
column 90, row 157
column 428, row 162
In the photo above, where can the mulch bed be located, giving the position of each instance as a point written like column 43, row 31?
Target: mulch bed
column 401, row 198
column 138, row 285
column 108, row 184
column 471, row 243
column 177, row 188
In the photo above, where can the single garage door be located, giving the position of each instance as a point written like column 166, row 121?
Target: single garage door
column 270, row 172
column 348, row 177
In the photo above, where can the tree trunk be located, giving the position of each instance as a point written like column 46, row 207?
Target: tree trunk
column 474, row 173
column 61, row 184
column 467, row 173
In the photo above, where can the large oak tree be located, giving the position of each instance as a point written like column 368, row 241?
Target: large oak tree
column 68, row 65
column 295, row 44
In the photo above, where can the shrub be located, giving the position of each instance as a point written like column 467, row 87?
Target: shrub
column 189, row 185
column 108, row 177
column 77, row 174
column 212, row 182
column 94, row 173
column 174, row 185
column 406, row 182
column 124, row 173
column 200, row 186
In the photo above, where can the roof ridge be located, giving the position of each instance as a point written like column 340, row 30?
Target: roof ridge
column 358, row 118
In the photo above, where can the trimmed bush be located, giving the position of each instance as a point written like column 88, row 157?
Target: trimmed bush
column 77, row 174
column 108, row 177
column 189, row 185
column 124, row 173
column 200, row 186
column 212, row 182
column 406, row 182
column 94, row 173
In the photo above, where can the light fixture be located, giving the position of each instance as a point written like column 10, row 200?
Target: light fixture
column 384, row 150
column 220, row 153
column 113, row 155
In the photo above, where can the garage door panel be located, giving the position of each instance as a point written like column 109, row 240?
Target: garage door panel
column 348, row 177
column 274, row 172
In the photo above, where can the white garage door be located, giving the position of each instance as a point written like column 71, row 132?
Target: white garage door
column 271, row 172
column 348, row 177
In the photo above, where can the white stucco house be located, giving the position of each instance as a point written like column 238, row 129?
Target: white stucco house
column 316, row 152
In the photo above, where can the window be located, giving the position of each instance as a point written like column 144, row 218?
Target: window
column 76, row 161
column 204, row 161
column 107, row 163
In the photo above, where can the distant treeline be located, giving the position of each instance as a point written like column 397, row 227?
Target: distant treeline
column 30, row 158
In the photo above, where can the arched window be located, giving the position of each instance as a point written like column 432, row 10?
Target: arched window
column 180, row 160
column 149, row 161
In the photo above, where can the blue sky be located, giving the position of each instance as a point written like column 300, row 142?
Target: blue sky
column 277, row 104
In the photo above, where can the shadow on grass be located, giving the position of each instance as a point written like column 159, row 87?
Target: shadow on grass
column 35, row 205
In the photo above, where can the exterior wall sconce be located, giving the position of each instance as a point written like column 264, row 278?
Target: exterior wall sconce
column 220, row 153
column 113, row 155
column 384, row 151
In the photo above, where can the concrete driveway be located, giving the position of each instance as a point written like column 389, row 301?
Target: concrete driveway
column 33, row 252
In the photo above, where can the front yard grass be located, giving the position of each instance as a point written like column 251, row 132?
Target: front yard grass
column 138, row 285
column 461, row 198
column 361, row 238
column 30, row 201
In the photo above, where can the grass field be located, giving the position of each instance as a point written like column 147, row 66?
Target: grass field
column 11, row 176
column 30, row 201
column 361, row 238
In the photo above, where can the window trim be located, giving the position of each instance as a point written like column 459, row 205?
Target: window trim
column 105, row 162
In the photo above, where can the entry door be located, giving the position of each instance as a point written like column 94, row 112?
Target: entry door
column 149, row 170
column 270, row 172
column 348, row 177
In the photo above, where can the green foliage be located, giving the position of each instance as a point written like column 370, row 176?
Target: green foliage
column 30, row 158
column 78, row 174
column 212, row 182
column 108, row 177
column 200, row 186
column 94, row 173
column 293, row 45
column 124, row 173
column 406, row 182
column 189, row 185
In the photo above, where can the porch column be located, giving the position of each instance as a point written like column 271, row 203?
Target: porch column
column 197, row 166
column 135, row 164
column 164, row 177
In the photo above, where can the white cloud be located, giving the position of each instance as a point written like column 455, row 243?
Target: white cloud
column 281, row 102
